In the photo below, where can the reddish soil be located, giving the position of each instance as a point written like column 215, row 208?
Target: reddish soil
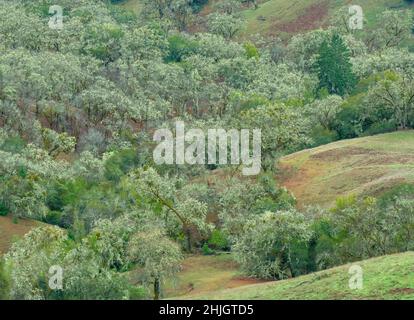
column 9, row 231
column 313, row 18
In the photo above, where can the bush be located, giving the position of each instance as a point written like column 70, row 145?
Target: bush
column 358, row 229
column 121, row 163
column 383, row 126
column 275, row 246
column 179, row 48
column 251, row 50
column 4, row 210
column 137, row 293
column 349, row 119
column 54, row 218
column 389, row 197
column 205, row 249
column 218, row 240
column 13, row 145
column 321, row 136
column 197, row 5
column 4, row 281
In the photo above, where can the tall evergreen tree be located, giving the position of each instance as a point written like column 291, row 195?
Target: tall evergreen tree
column 334, row 67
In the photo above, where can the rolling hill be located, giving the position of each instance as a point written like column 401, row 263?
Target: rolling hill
column 363, row 166
column 275, row 17
column 387, row 277
column 286, row 17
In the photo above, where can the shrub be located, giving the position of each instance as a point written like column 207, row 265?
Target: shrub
column 321, row 136
column 4, row 281
column 54, row 218
column 251, row 50
column 4, row 210
column 275, row 246
column 180, row 47
column 382, row 126
column 205, row 249
column 358, row 229
column 13, row 145
column 218, row 240
column 137, row 293
column 389, row 197
column 121, row 163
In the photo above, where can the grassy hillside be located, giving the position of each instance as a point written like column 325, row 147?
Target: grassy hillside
column 363, row 166
column 278, row 17
column 388, row 277
column 9, row 231
column 291, row 16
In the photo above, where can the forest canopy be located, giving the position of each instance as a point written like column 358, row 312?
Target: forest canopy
column 79, row 105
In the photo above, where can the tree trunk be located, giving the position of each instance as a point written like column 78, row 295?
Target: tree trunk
column 188, row 235
column 157, row 289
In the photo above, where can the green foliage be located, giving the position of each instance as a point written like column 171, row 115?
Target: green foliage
column 205, row 249
column 251, row 50
column 179, row 204
column 120, row 163
column 334, row 67
column 4, row 210
column 4, row 281
column 394, row 92
column 78, row 107
column 244, row 201
column 218, row 240
column 180, row 47
column 13, row 145
column 400, row 191
column 197, row 5
column 157, row 255
column 226, row 25
column 358, row 229
column 275, row 246
column 283, row 130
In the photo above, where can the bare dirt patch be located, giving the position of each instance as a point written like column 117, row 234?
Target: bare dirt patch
column 9, row 231
column 402, row 291
column 312, row 18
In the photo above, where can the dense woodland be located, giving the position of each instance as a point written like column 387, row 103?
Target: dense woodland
column 79, row 106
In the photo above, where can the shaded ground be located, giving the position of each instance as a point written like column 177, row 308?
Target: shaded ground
column 388, row 277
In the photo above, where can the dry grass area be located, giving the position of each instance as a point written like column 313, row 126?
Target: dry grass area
column 10, row 231
column 363, row 166
column 204, row 274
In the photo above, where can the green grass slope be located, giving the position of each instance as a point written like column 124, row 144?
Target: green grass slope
column 364, row 166
column 388, row 277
